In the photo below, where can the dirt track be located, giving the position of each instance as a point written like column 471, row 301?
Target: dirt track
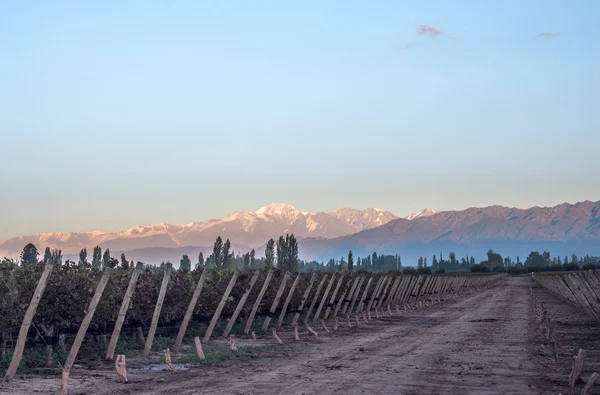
column 485, row 343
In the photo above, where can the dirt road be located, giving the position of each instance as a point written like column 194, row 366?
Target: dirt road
column 484, row 343
column 477, row 344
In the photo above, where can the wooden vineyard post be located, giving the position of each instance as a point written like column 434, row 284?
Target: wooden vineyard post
column 240, row 305
column 361, row 304
column 190, row 309
column 590, row 384
column 287, row 301
column 261, row 295
column 121, row 368
column 296, row 337
column 220, row 307
column 354, row 298
column 123, row 311
column 332, row 300
column 168, row 360
column 304, row 297
column 233, row 344
column 342, row 300
column 83, row 328
column 265, row 324
column 384, row 294
column 29, row 314
column 277, row 338
column 392, row 295
column 314, row 301
column 404, row 284
column 324, row 298
column 157, row 309
column 378, row 287
column 199, row 349
column 310, row 330
column 576, row 368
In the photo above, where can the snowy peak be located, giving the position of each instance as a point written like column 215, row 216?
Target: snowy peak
column 363, row 219
column 285, row 212
column 423, row 213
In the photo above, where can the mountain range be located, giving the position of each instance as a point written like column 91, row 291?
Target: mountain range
column 563, row 229
column 245, row 229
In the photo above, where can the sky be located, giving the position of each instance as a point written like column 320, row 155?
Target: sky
column 117, row 113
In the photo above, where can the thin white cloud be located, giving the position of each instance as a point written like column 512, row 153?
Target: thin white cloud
column 547, row 35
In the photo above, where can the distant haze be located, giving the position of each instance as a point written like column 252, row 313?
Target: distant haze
column 563, row 229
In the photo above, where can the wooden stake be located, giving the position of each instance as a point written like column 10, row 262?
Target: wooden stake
column 348, row 325
column 335, row 323
column 314, row 301
column 259, row 299
column 348, row 307
column 191, row 306
column 253, row 338
column 157, row 309
column 64, row 381
column 357, row 321
column 310, row 330
column 576, row 368
column 123, row 311
column 361, row 304
column 296, row 337
column 287, row 301
column 277, row 339
column 265, row 324
column 304, row 297
column 593, row 380
column 199, row 349
column 83, row 328
column 220, row 307
column 335, row 292
column 233, row 345
column 240, row 305
column 324, row 298
column 121, row 368
column 168, row 360
column 29, row 314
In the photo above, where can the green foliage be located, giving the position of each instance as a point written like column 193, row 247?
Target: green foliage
column 480, row 268
column 350, row 261
column 29, row 255
column 200, row 264
column 185, row 264
column 106, row 258
column 97, row 258
column 424, row 270
column 83, row 257
column 287, row 253
column 216, row 258
column 270, row 253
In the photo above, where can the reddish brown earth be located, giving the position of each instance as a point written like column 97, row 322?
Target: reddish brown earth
column 485, row 343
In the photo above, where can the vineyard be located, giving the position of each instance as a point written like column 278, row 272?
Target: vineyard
column 52, row 302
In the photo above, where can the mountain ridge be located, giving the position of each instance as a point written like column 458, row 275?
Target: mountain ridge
column 245, row 228
column 565, row 228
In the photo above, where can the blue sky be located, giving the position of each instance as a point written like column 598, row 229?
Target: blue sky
column 117, row 113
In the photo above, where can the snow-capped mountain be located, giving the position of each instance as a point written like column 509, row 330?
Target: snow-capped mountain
column 423, row 213
column 245, row 229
